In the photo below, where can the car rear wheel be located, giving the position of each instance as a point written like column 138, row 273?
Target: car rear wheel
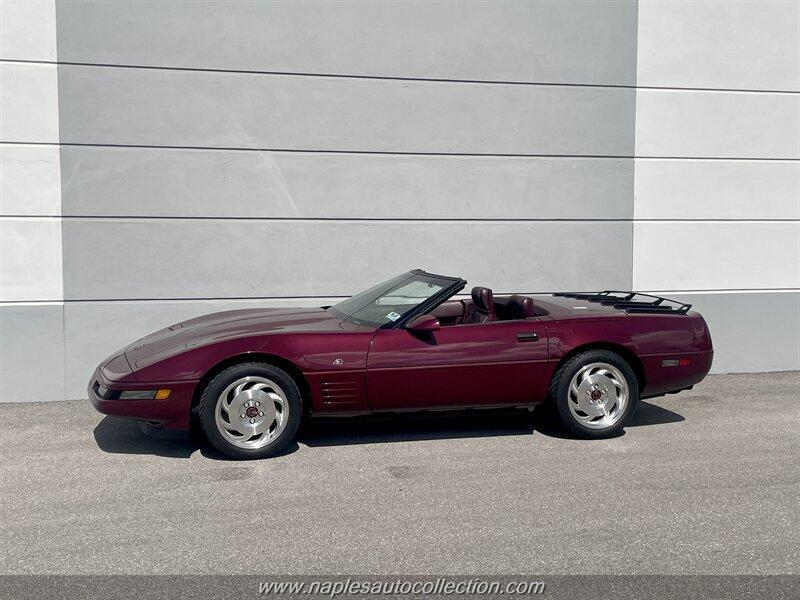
column 595, row 393
column 251, row 410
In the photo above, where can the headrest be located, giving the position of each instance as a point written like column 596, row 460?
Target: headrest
column 483, row 299
column 521, row 306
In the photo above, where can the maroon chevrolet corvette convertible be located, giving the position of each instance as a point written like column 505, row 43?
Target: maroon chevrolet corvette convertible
column 408, row 344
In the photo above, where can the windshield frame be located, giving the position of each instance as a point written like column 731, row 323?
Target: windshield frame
column 452, row 285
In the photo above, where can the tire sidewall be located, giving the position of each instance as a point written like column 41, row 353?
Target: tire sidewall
column 210, row 398
column 561, row 399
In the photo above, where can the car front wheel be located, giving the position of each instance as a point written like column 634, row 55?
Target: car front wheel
column 250, row 410
column 595, row 393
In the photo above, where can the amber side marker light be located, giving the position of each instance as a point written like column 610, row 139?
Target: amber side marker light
column 144, row 395
column 676, row 362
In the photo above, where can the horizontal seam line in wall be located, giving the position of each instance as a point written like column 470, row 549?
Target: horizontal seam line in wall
column 382, row 219
column 394, row 153
column 336, row 297
column 399, row 78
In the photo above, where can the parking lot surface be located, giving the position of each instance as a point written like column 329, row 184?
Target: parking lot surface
column 704, row 482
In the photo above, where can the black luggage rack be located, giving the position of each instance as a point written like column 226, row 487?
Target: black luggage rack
column 630, row 301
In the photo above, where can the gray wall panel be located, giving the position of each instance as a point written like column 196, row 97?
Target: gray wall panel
column 107, row 105
column 591, row 42
column 165, row 182
column 234, row 258
column 751, row 332
column 31, row 353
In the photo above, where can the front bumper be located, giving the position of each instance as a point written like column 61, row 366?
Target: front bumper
column 172, row 413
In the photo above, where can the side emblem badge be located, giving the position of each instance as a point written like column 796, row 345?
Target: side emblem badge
column 338, row 361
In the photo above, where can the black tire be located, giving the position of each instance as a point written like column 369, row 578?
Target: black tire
column 211, row 396
column 559, row 392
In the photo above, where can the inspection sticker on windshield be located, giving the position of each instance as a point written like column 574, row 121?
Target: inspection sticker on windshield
column 393, row 316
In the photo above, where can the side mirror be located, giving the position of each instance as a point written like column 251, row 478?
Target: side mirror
column 424, row 323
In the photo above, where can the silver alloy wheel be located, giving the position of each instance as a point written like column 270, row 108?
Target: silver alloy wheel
column 251, row 412
column 598, row 395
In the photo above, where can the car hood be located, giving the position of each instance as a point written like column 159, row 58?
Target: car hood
column 222, row 326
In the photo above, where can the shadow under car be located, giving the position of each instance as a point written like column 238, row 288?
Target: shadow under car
column 124, row 436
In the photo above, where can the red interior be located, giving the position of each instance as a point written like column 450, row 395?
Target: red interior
column 503, row 308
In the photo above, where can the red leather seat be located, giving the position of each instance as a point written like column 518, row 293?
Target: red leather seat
column 482, row 309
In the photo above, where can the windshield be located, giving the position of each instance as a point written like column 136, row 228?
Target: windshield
column 389, row 301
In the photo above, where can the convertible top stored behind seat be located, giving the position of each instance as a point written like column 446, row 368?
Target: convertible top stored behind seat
column 482, row 308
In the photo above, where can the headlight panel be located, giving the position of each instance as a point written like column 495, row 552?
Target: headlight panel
column 107, row 394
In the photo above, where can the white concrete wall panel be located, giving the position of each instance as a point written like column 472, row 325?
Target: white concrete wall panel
column 31, row 282
column 588, row 42
column 30, row 259
column 717, row 189
column 746, row 44
column 679, row 123
column 28, row 30
column 717, row 181
column 32, row 353
column 752, row 332
column 30, row 180
column 104, row 105
column 178, row 258
column 716, row 255
column 175, row 182
column 28, row 103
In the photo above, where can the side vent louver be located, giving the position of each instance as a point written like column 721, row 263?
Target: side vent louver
column 340, row 392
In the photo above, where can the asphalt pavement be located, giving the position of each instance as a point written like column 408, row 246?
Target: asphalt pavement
column 703, row 482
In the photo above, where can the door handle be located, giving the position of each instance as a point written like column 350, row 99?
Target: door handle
column 528, row 337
